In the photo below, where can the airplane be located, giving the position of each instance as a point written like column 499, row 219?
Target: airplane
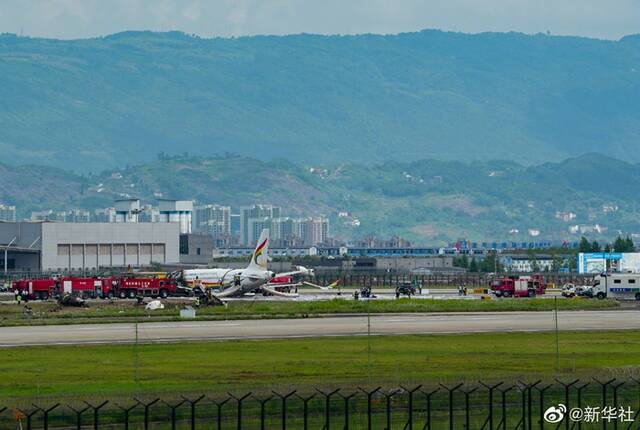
column 238, row 282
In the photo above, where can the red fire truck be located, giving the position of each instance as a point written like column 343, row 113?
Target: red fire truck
column 149, row 287
column 88, row 287
column 519, row 286
column 35, row 289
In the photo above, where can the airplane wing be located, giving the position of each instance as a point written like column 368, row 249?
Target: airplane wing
column 300, row 270
column 326, row 287
column 276, row 286
column 278, row 293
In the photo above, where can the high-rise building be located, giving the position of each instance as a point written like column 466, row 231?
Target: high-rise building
column 7, row 213
column 235, row 227
column 179, row 211
column 314, row 231
column 212, row 219
column 255, row 212
column 255, row 227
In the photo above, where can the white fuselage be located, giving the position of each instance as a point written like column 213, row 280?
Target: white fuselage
column 249, row 280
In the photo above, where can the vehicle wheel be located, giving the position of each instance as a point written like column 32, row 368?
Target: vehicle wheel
column 45, row 296
column 110, row 295
column 506, row 294
column 600, row 295
column 637, row 296
column 164, row 294
column 132, row 294
column 532, row 293
column 499, row 294
column 123, row 294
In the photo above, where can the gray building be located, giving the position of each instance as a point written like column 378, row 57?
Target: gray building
column 249, row 215
column 52, row 246
column 196, row 248
column 212, row 219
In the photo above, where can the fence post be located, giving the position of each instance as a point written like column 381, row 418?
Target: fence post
column 45, row 413
column 283, row 399
column 346, row 408
column 491, row 389
column 579, row 400
column 369, row 407
column 427, row 424
column 327, row 407
column 503, row 403
column 451, row 390
column 528, row 388
column 29, row 415
column 388, row 397
column 604, row 386
column 219, row 406
column 147, row 406
column 192, row 407
column 466, row 406
column 615, row 402
column 410, row 392
column 173, row 412
column 127, row 411
column 262, row 402
column 96, row 411
column 541, row 412
column 78, row 413
column 239, row 408
column 305, row 410
column 567, row 386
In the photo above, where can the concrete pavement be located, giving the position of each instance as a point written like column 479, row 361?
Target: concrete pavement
column 395, row 324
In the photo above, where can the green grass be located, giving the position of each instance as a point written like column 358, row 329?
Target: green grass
column 52, row 373
column 49, row 313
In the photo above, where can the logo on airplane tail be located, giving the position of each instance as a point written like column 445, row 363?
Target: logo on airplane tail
column 259, row 250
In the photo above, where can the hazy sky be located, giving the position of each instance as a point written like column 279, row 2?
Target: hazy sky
column 610, row 19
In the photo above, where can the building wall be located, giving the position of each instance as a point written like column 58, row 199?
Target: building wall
column 395, row 263
column 196, row 248
column 93, row 245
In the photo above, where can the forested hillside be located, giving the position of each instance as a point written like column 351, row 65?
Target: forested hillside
column 87, row 105
column 429, row 201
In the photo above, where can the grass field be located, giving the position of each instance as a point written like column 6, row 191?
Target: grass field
column 50, row 313
column 41, row 373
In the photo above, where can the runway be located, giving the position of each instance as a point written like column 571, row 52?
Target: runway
column 395, row 324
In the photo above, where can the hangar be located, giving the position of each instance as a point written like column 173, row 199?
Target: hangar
column 54, row 246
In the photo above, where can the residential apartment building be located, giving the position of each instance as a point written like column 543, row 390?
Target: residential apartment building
column 214, row 220
column 251, row 214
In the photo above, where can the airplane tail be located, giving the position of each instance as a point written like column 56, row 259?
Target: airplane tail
column 259, row 258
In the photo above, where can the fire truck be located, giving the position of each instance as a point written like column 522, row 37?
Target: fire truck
column 35, row 289
column 148, row 287
column 519, row 286
column 88, row 287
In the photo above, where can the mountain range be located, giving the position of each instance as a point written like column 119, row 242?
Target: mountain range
column 104, row 103
column 428, row 201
